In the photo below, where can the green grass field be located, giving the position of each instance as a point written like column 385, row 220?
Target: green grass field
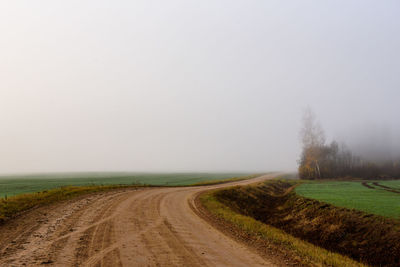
column 354, row 195
column 393, row 184
column 14, row 185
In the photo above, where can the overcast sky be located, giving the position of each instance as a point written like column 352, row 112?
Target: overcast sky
column 190, row 85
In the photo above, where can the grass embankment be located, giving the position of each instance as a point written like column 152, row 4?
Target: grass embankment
column 367, row 238
column 298, row 250
column 376, row 197
column 12, row 206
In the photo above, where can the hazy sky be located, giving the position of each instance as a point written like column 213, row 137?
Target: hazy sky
column 205, row 85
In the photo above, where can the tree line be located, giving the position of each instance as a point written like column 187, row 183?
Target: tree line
column 320, row 160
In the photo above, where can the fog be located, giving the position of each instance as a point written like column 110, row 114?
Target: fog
column 193, row 85
column 375, row 143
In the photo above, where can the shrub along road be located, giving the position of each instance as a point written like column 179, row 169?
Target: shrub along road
column 127, row 227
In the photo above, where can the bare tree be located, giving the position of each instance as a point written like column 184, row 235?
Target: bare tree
column 321, row 161
column 313, row 140
column 311, row 133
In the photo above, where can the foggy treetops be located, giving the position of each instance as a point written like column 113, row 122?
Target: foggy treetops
column 320, row 160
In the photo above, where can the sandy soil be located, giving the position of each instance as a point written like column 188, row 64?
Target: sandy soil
column 145, row 227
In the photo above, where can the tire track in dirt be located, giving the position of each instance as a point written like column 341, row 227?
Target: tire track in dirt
column 367, row 185
column 146, row 227
column 387, row 188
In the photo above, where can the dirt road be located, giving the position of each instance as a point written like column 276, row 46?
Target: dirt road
column 142, row 227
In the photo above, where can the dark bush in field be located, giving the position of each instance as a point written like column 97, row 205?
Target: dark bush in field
column 368, row 238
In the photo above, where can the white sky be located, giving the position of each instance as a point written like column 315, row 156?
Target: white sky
column 189, row 85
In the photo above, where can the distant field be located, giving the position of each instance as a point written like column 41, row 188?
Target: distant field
column 393, row 184
column 377, row 197
column 14, row 185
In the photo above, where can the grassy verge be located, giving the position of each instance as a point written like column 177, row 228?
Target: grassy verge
column 11, row 206
column 308, row 254
column 223, row 181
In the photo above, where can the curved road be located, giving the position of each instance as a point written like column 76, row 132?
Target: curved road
column 144, row 227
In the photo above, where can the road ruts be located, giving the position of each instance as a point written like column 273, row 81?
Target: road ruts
column 145, row 227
